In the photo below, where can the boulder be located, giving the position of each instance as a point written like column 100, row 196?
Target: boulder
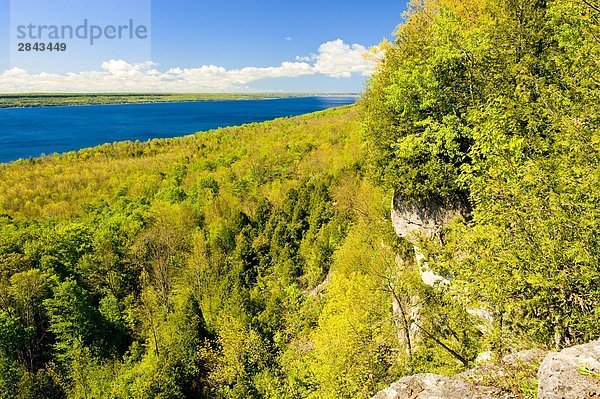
column 433, row 386
column 573, row 373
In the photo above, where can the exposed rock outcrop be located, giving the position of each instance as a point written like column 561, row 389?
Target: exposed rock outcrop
column 573, row 373
column 524, row 363
column 416, row 221
column 425, row 219
column 433, row 386
column 475, row 383
column 319, row 289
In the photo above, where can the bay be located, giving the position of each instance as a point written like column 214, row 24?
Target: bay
column 31, row 132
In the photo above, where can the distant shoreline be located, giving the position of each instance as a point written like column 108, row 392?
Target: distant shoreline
column 60, row 129
column 11, row 101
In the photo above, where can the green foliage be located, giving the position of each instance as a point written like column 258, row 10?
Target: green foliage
column 196, row 267
column 73, row 320
column 495, row 102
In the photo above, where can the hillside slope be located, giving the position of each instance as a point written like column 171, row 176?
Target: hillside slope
column 197, row 266
column 267, row 156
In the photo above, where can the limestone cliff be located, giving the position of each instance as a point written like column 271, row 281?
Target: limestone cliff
column 570, row 374
column 425, row 219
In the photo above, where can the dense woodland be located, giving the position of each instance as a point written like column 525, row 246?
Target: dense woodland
column 260, row 262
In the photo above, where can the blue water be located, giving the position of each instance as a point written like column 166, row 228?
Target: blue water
column 30, row 132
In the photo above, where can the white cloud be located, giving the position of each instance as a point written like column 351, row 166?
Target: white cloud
column 335, row 59
column 122, row 68
column 340, row 60
column 288, row 38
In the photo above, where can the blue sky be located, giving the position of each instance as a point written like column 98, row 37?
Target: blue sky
column 212, row 44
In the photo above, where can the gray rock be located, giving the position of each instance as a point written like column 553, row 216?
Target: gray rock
column 530, row 356
column 573, row 373
column 433, row 386
column 425, row 218
column 524, row 363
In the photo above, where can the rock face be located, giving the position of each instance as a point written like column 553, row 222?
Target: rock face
column 426, row 219
column 468, row 384
column 523, row 364
column 573, row 373
column 433, row 386
column 415, row 221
